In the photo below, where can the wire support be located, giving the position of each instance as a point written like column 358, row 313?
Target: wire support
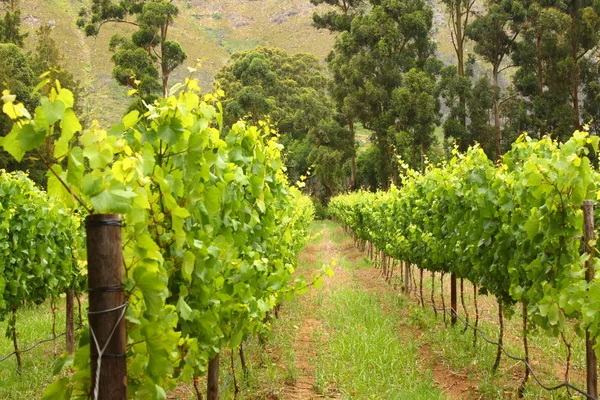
column 33, row 346
column 565, row 384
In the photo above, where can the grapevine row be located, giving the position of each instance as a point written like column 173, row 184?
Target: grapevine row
column 212, row 227
column 40, row 244
column 513, row 229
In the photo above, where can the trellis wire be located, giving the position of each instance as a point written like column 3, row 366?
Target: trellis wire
column 565, row 384
column 33, row 346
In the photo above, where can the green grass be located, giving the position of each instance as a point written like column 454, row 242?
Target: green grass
column 364, row 357
column 33, row 324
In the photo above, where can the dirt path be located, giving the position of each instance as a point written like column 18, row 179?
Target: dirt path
column 324, row 251
column 453, row 385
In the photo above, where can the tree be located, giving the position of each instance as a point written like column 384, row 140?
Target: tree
column 47, row 58
column 417, row 107
column 10, row 27
column 17, row 77
column 340, row 20
column 494, row 34
column 557, row 40
column 135, row 58
column 459, row 13
column 292, row 91
column 12, row 4
column 369, row 61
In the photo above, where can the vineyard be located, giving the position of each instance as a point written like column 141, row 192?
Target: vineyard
column 515, row 231
column 408, row 210
column 186, row 237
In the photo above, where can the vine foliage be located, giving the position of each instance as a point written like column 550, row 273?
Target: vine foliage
column 212, row 228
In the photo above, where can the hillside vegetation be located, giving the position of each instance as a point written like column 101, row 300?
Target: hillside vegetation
column 208, row 30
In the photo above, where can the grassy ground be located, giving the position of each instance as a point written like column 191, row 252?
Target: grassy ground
column 337, row 341
column 33, row 324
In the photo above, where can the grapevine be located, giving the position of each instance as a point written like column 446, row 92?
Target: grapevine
column 212, row 227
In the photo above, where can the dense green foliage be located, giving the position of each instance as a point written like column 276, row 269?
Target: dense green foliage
column 369, row 63
column 513, row 230
column 212, row 227
column 292, row 91
column 548, row 48
column 40, row 245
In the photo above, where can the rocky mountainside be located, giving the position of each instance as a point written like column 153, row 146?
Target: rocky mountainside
column 209, row 31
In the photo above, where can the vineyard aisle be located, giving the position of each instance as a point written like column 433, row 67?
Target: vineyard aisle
column 341, row 340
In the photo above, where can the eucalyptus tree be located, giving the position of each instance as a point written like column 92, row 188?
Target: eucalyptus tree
column 145, row 60
column 339, row 19
column 369, row 62
column 495, row 34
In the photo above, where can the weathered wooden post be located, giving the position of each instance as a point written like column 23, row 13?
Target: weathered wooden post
column 106, row 307
column 589, row 237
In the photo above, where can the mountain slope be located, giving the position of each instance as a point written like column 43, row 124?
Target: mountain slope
column 209, row 31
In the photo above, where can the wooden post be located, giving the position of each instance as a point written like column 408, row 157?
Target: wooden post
column 70, row 336
column 213, row 379
column 453, row 307
column 591, row 360
column 106, row 307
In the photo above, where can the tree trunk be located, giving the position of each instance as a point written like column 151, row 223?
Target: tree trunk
column 540, row 71
column 497, row 134
column 460, row 57
column 540, row 77
column 353, row 158
column 575, row 73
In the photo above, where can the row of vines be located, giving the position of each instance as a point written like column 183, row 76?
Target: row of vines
column 211, row 227
column 515, row 229
column 40, row 245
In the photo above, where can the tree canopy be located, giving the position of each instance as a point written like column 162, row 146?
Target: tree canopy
column 292, row 91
